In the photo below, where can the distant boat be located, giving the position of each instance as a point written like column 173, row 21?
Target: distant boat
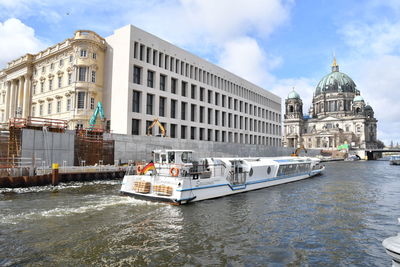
column 352, row 158
column 174, row 176
column 395, row 160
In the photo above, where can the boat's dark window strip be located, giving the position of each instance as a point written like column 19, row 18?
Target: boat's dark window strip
column 289, row 169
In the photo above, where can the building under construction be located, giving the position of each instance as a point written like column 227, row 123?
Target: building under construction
column 35, row 142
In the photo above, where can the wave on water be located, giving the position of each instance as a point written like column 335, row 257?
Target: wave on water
column 61, row 186
column 90, row 206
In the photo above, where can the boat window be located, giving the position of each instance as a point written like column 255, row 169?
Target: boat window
column 186, row 157
column 269, row 170
column 163, row 158
column 171, row 157
column 156, row 157
column 251, row 172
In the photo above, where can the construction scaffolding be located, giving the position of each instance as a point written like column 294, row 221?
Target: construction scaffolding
column 91, row 148
column 11, row 161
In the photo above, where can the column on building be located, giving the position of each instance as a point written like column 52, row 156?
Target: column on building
column 7, row 115
column 13, row 99
column 20, row 95
column 26, row 105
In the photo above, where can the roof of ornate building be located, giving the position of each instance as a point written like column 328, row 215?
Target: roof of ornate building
column 293, row 95
column 335, row 81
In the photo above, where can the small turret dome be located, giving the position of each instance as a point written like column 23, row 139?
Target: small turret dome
column 293, row 95
column 358, row 98
column 368, row 107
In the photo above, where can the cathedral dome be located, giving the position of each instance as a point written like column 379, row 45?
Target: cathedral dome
column 293, row 95
column 358, row 98
column 335, row 82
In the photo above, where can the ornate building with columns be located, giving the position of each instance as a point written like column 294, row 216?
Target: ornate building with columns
column 65, row 81
column 338, row 115
column 139, row 77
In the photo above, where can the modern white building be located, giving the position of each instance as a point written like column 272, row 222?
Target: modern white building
column 146, row 78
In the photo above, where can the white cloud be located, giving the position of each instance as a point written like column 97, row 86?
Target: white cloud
column 374, row 62
column 228, row 32
column 246, row 58
column 17, row 39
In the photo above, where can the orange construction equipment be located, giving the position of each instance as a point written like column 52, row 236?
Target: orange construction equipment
column 156, row 121
column 297, row 151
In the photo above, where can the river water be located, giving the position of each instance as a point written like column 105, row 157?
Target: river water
column 337, row 219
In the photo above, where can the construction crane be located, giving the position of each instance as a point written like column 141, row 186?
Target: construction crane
column 156, row 121
column 297, row 151
column 99, row 110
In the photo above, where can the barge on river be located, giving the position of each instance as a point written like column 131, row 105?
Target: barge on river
column 175, row 176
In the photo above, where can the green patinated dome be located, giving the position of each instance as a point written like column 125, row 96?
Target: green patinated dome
column 335, row 82
column 358, row 98
column 293, row 95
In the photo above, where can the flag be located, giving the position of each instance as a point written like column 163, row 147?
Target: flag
column 149, row 166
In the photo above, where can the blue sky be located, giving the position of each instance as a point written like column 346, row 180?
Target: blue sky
column 277, row 44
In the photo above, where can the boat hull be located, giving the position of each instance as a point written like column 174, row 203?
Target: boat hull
column 202, row 191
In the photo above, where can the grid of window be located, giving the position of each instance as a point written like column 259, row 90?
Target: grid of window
column 183, row 131
column 183, row 88
column 149, row 104
column 81, row 100
column 173, row 108
column 136, row 101
column 150, row 79
column 137, row 74
column 82, row 74
column 193, row 91
column 173, row 85
column 173, row 130
column 83, row 53
column 58, row 106
column 193, row 112
column 162, row 106
column 183, row 110
column 234, row 103
column 135, row 127
column 69, row 104
column 162, row 82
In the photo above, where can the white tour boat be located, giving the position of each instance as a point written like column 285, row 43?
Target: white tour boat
column 392, row 246
column 174, row 176
column 395, row 160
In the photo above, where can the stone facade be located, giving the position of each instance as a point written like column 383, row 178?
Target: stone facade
column 148, row 78
column 139, row 77
column 338, row 115
column 65, row 81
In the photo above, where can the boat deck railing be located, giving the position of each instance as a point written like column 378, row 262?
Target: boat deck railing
column 201, row 171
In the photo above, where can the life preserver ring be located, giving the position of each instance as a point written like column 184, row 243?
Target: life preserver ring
column 139, row 169
column 174, row 171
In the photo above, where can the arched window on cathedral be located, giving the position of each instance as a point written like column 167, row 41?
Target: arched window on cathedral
column 291, row 109
column 358, row 110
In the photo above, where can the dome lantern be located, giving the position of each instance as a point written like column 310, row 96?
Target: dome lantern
column 335, row 66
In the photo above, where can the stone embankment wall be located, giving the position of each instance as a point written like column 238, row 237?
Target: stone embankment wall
column 59, row 147
column 131, row 147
